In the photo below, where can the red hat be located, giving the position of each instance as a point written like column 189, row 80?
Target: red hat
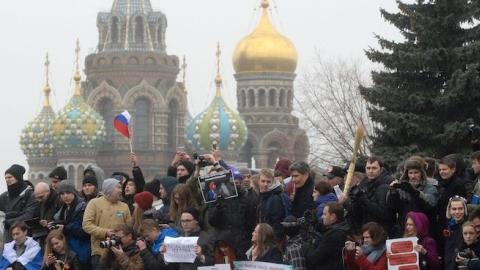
column 144, row 200
column 282, row 167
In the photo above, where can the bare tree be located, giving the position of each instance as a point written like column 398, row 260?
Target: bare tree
column 329, row 102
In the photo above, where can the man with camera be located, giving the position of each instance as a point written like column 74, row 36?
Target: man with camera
column 152, row 239
column 121, row 250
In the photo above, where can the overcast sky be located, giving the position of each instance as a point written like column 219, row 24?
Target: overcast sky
column 30, row 28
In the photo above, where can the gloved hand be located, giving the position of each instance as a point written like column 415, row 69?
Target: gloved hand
column 407, row 187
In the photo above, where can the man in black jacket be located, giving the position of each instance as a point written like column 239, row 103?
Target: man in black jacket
column 304, row 182
column 370, row 194
column 328, row 254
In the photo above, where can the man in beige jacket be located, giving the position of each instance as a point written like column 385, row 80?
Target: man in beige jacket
column 102, row 215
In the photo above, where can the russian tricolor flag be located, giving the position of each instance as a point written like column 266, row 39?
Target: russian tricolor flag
column 121, row 123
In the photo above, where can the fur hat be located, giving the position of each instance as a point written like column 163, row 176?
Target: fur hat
column 66, row 187
column 59, row 173
column 144, row 200
column 16, row 171
column 413, row 164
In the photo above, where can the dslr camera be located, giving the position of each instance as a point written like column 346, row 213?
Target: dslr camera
column 113, row 242
column 202, row 162
column 467, row 254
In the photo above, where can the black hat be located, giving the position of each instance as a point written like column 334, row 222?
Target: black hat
column 66, row 187
column 335, row 171
column 153, row 187
column 16, row 171
column 290, row 221
column 90, row 180
column 194, row 212
column 188, row 165
column 59, row 173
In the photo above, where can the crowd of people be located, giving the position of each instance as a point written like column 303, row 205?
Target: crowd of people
column 283, row 215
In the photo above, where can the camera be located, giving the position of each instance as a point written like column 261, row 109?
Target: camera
column 467, row 254
column 113, row 242
column 202, row 162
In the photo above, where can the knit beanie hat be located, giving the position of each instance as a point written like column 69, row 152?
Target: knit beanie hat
column 16, row 171
column 188, row 165
column 144, row 200
column 66, row 187
column 194, row 212
column 153, row 187
column 59, row 173
column 282, row 167
column 108, row 185
column 168, row 183
column 90, row 180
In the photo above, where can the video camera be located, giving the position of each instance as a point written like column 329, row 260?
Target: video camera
column 113, row 242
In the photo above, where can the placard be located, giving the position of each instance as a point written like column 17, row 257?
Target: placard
column 402, row 255
column 249, row 265
column 217, row 184
column 180, row 249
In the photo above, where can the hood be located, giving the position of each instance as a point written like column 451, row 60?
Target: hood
column 421, row 223
column 330, row 197
column 169, row 183
column 275, row 185
column 99, row 173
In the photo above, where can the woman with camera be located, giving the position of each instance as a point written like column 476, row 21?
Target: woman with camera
column 371, row 255
column 417, row 225
column 57, row 256
column 470, row 249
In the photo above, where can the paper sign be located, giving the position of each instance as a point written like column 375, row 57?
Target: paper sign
column 402, row 255
column 216, row 267
column 180, row 249
column 338, row 191
column 248, row 265
column 217, row 184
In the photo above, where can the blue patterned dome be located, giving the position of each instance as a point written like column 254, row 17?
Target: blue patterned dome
column 78, row 126
column 218, row 124
column 35, row 139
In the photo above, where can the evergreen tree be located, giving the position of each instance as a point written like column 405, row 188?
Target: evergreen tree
column 430, row 84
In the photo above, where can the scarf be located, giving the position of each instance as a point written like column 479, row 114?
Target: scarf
column 14, row 190
column 373, row 253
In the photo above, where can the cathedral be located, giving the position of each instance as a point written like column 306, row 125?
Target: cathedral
column 131, row 70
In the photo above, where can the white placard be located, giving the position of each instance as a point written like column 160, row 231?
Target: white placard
column 401, row 253
column 180, row 249
column 248, row 265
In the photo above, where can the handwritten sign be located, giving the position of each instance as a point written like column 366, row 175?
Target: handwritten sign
column 248, row 265
column 180, row 250
column 402, row 255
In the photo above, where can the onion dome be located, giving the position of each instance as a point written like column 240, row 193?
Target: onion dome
column 36, row 140
column 218, row 124
column 265, row 49
column 78, row 126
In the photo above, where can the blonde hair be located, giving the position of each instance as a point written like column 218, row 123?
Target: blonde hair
column 54, row 234
column 266, row 238
column 137, row 217
column 186, row 200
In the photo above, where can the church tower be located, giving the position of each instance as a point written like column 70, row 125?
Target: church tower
column 265, row 62
column 131, row 70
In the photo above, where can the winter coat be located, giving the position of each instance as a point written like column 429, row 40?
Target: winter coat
column 206, row 241
column 328, row 254
column 321, row 202
column 271, row 209
column 139, row 181
column 273, row 255
column 130, row 261
column 446, row 190
column 77, row 239
column 303, row 199
column 50, row 207
column 100, row 216
column 153, row 259
column 430, row 260
column 18, row 208
column 453, row 243
column 372, row 195
column 362, row 263
column 71, row 259
column 234, row 215
column 31, row 259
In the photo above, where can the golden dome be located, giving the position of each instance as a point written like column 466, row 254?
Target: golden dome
column 265, row 49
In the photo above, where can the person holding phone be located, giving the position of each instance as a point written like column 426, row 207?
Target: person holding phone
column 57, row 256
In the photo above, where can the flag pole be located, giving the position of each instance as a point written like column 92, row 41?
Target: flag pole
column 130, row 140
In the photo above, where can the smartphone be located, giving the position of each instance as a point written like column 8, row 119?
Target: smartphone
column 180, row 149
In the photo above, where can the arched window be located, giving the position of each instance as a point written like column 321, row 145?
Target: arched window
column 262, row 98
column 172, row 123
column 274, row 151
column 243, row 102
column 114, row 30
column 40, row 176
column 289, row 98
column 139, row 30
column 251, row 98
column 281, row 99
column 71, row 173
column 105, row 108
column 142, row 123
column 271, row 98
column 160, row 36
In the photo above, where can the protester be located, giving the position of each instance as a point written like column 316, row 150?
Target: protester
column 264, row 245
column 23, row 253
column 167, row 185
column 304, row 182
column 95, row 171
column 185, row 170
column 456, row 213
column 322, row 194
column 142, row 209
column 18, row 202
column 335, row 176
column 293, row 249
column 50, row 203
column 225, row 252
column 123, row 255
column 371, row 255
column 102, row 215
column 89, row 188
column 57, row 255
column 154, row 188
column 181, row 200
column 57, row 176
column 153, row 237
column 416, row 225
column 474, row 197
column 70, row 216
column 470, row 248
column 328, row 253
